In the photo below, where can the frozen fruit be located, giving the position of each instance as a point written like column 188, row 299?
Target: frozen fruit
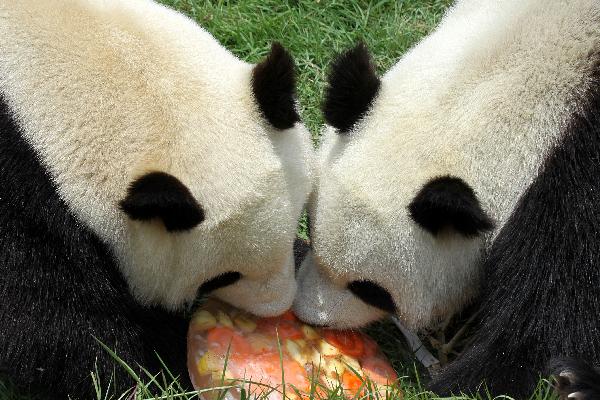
column 227, row 347
column 204, row 320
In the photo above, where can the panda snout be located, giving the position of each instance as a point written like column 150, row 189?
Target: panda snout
column 373, row 294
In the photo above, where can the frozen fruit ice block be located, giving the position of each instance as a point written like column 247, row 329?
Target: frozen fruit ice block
column 228, row 347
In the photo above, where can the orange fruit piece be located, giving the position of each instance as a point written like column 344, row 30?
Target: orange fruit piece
column 222, row 338
column 286, row 329
column 288, row 316
column 370, row 347
column 378, row 371
column 349, row 342
column 268, row 366
column 351, row 382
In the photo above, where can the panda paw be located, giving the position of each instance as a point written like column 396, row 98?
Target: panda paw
column 575, row 380
column 564, row 386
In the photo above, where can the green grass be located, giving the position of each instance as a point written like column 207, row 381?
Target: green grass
column 313, row 31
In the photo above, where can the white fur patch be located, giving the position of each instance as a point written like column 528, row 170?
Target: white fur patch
column 483, row 98
column 108, row 90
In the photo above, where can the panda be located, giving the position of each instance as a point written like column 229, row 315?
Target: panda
column 469, row 169
column 141, row 165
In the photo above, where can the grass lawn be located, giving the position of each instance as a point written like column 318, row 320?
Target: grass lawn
column 313, row 31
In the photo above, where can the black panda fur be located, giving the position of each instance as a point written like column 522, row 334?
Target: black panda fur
column 541, row 298
column 60, row 287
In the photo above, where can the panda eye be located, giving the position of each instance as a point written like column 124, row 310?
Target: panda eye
column 373, row 294
column 219, row 281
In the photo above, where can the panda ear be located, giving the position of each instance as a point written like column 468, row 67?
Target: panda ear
column 162, row 196
column 448, row 202
column 274, row 88
column 353, row 85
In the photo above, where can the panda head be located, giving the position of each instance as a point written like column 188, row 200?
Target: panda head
column 391, row 230
column 190, row 165
column 420, row 169
column 235, row 242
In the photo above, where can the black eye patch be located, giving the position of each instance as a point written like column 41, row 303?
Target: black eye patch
column 219, row 281
column 163, row 196
column 373, row 295
column 449, row 202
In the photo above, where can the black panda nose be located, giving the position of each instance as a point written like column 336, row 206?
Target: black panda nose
column 219, row 281
column 373, row 295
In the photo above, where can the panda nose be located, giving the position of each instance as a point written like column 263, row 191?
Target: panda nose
column 219, row 281
column 373, row 295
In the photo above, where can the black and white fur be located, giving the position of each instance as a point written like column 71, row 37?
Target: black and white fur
column 472, row 164
column 140, row 163
column 541, row 287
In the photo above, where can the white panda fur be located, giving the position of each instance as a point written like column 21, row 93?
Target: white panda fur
column 137, row 87
column 448, row 107
column 97, row 97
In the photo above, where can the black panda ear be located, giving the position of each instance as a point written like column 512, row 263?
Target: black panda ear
column 353, row 85
column 161, row 195
column 448, row 202
column 274, row 88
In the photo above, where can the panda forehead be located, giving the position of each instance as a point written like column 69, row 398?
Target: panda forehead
column 374, row 168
